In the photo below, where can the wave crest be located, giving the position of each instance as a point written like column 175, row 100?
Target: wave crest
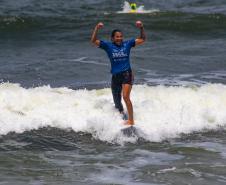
column 160, row 112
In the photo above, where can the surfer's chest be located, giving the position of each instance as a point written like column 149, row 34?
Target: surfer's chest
column 119, row 52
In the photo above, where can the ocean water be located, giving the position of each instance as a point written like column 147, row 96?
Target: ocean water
column 58, row 124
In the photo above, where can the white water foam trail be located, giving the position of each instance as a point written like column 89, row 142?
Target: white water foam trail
column 160, row 112
column 140, row 9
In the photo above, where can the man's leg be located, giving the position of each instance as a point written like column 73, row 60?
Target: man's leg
column 126, row 89
column 116, row 89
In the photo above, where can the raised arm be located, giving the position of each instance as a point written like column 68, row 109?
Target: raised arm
column 142, row 38
column 94, row 38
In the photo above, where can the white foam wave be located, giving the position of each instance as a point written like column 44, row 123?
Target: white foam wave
column 160, row 112
column 140, row 9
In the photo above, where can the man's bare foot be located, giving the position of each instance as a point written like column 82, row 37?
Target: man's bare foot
column 129, row 122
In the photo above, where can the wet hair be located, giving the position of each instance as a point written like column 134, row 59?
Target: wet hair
column 114, row 31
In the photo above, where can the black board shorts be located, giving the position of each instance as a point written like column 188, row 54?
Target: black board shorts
column 125, row 77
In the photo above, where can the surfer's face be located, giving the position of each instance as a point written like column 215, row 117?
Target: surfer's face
column 117, row 38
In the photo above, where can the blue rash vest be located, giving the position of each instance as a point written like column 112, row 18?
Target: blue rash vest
column 118, row 54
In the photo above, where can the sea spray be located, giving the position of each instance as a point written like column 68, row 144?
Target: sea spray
column 160, row 112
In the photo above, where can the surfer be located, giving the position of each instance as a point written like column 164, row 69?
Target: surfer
column 118, row 52
column 133, row 7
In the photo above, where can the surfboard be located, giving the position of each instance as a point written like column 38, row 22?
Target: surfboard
column 130, row 131
column 133, row 11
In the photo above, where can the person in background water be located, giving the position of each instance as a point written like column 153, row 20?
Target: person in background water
column 133, row 7
column 118, row 52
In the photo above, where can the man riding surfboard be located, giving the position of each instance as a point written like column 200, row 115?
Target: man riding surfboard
column 118, row 52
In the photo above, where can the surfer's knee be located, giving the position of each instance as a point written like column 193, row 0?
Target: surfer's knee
column 126, row 98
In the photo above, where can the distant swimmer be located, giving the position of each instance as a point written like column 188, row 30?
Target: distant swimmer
column 118, row 52
column 133, row 7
